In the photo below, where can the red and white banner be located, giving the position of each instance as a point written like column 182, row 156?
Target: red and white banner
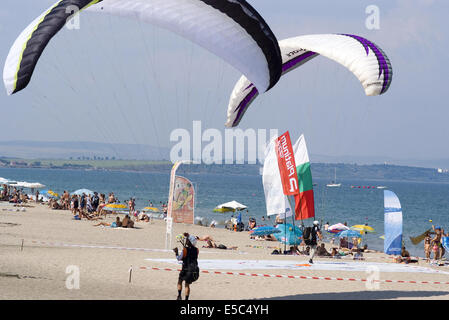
column 287, row 166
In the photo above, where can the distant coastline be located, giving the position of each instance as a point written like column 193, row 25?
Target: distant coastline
column 373, row 172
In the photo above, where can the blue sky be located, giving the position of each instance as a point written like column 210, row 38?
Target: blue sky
column 117, row 80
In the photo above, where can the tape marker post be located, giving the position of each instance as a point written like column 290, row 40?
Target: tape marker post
column 299, row 277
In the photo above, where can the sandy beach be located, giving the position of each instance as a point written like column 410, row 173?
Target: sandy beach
column 55, row 246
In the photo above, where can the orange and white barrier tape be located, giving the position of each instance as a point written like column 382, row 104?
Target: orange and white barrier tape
column 298, row 277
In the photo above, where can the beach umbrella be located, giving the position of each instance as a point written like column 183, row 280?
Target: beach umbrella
column 117, row 207
column 150, row 209
column 337, row 228
column 230, row 206
column 289, row 235
column 264, row 231
column 362, row 228
column 349, row 234
column 49, row 194
column 34, row 185
column 80, row 192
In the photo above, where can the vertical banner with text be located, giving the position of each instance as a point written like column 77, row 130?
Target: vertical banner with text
column 287, row 165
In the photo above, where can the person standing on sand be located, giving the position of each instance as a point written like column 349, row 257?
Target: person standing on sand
column 82, row 204
column 436, row 243
column 190, row 271
column 75, row 205
column 427, row 247
column 316, row 233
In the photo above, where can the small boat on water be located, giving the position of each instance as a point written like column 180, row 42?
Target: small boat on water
column 334, row 183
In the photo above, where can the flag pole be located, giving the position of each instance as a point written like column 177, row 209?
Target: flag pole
column 292, row 202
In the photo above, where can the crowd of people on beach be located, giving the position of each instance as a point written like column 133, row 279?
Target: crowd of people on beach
column 343, row 246
column 90, row 206
column 13, row 195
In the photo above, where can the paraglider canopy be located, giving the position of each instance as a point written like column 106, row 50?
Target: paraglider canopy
column 231, row 29
column 362, row 57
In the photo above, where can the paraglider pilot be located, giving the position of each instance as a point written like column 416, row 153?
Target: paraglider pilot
column 189, row 257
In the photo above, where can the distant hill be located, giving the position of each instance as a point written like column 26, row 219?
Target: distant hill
column 75, row 150
column 323, row 171
column 94, row 150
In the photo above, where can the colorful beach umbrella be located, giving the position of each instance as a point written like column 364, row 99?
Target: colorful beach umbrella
column 115, row 207
column 363, row 228
column 349, row 234
column 49, row 194
column 337, row 228
column 80, row 192
column 264, row 231
column 289, row 235
column 153, row 209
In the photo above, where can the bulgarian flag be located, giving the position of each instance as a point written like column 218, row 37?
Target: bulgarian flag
column 304, row 201
column 275, row 198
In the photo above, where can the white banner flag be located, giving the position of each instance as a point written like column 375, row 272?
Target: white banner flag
column 276, row 201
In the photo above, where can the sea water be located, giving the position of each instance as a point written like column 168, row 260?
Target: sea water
column 420, row 202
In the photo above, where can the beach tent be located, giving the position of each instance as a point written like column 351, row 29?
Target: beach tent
column 80, row 192
column 230, row 206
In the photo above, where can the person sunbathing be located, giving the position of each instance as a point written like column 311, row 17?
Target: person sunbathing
column 321, row 251
column 116, row 224
column 269, row 237
column 405, row 253
column 211, row 244
column 358, row 255
column 205, row 238
column 294, row 250
column 335, row 253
